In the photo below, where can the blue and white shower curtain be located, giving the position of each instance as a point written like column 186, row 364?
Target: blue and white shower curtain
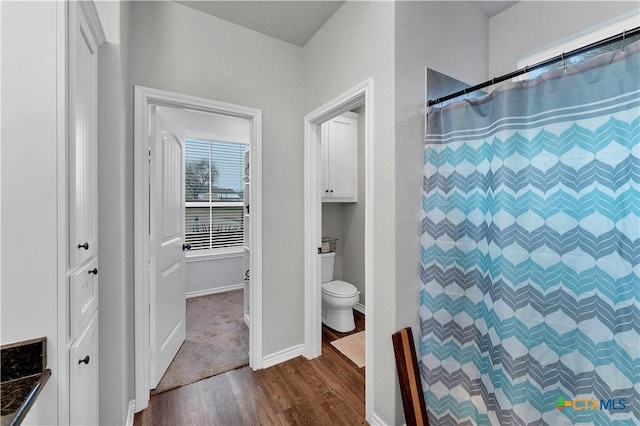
column 530, row 300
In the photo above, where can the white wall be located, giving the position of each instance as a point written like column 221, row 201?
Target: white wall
column 29, row 299
column 353, row 217
column 332, row 226
column 205, row 276
column 424, row 38
column 531, row 26
column 182, row 50
column 345, row 221
column 115, row 213
column 357, row 43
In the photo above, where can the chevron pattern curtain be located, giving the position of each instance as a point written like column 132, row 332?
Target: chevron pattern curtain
column 530, row 300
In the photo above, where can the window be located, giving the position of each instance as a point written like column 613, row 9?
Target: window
column 576, row 43
column 214, row 172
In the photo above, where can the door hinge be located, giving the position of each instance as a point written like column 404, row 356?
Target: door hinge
column 319, row 250
column 149, row 153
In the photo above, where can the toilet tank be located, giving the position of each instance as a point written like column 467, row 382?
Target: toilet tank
column 328, row 260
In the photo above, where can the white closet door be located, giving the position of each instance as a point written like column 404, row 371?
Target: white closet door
column 83, row 141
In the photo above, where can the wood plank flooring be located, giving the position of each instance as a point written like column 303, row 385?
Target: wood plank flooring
column 328, row 390
column 329, row 335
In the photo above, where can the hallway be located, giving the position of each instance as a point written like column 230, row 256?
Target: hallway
column 325, row 390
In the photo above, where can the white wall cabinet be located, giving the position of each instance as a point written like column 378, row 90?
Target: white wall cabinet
column 85, row 35
column 83, row 136
column 340, row 159
column 83, row 296
column 83, row 376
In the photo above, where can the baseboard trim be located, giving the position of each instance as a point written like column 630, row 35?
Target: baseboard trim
column 282, row 356
column 376, row 420
column 131, row 412
column 360, row 308
column 216, row 290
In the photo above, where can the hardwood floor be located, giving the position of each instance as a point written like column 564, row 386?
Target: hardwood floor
column 328, row 390
column 329, row 335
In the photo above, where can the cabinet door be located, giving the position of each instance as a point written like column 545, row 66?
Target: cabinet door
column 83, row 377
column 83, row 135
column 341, row 165
column 83, row 291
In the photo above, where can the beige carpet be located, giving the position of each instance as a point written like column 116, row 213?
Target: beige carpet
column 352, row 347
column 217, row 340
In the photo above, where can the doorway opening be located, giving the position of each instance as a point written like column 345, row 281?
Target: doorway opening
column 359, row 98
column 214, row 214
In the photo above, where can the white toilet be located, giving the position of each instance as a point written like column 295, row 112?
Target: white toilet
column 338, row 298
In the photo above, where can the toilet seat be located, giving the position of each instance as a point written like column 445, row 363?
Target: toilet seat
column 338, row 288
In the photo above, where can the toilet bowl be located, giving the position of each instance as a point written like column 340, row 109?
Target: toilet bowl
column 338, row 298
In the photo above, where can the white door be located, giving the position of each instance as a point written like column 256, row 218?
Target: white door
column 83, row 139
column 167, row 289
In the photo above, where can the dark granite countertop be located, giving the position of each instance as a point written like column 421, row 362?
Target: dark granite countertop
column 19, row 395
column 23, row 374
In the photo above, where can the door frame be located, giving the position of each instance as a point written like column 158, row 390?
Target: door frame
column 143, row 98
column 362, row 94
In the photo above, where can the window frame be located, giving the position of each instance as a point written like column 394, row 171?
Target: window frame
column 219, row 252
column 593, row 36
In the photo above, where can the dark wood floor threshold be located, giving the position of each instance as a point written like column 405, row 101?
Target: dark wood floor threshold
column 328, row 390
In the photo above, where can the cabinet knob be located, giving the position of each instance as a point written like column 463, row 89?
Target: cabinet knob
column 326, row 190
column 331, row 190
column 186, row 247
column 84, row 246
column 84, row 360
column 93, row 271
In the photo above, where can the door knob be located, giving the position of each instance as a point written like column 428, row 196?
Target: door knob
column 84, row 246
column 93, row 271
column 84, row 360
column 186, row 247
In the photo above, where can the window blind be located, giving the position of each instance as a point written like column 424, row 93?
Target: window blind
column 214, row 193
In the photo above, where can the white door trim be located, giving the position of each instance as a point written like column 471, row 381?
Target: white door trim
column 143, row 98
column 362, row 94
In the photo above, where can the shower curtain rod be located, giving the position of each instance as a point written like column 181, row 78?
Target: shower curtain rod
column 562, row 57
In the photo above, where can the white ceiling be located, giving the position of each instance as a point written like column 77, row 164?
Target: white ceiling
column 292, row 21
column 492, row 8
column 295, row 21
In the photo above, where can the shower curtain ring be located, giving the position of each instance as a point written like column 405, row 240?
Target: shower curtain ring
column 564, row 62
column 624, row 35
